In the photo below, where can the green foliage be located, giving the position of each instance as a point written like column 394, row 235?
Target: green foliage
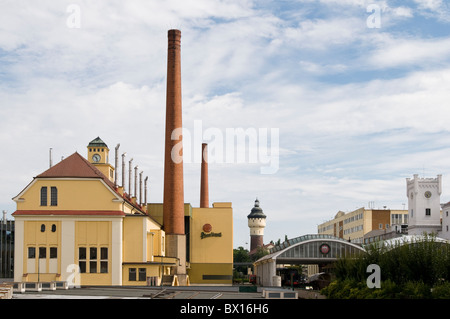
column 441, row 291
column 418, row 270
column 241, row 255
column 260, row 252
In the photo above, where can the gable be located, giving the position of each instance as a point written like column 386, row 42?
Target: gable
column 72, row 194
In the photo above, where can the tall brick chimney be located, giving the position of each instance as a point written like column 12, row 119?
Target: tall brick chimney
column 173, row 202
column 204, row 191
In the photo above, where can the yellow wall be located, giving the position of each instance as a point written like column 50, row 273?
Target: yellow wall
column 143, row 240
column 96, row 234
column 211, row 255
column 47, row 268
column 73, row 194
column 133, row 244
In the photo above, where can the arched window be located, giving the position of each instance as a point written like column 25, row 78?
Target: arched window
column 54, row 196
column 43, row 196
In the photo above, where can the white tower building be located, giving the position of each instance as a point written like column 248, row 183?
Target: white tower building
column 424, row 205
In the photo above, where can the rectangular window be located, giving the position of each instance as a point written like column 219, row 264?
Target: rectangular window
column 82, row 259
column 132, row 274
column 93, row 267
column 82, row 253
column 93, row 253
column 53, row 252
column 428, row 211
column 43, row 196
column 142, row 274
column 93, row 260
column 104, row 253
column 31, row 252
column 53, row 196
column 104, row 260
column 104, row 267
column 42, row 252
column 82, row 265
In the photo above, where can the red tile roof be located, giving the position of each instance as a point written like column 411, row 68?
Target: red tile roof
column 73, row 166
column 77, row 166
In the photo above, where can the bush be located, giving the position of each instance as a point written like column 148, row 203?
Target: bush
column 418, row 270
column 441, row 291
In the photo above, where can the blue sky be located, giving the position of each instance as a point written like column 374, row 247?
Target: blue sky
column 358, row 108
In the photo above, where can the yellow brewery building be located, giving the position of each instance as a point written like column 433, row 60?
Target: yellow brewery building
column 74, row 223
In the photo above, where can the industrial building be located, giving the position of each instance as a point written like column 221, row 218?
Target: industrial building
column 74, row 222
column 354, row 226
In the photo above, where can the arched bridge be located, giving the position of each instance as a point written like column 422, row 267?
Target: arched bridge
column 307, row 249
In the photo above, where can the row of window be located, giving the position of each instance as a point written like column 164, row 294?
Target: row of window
column 399, row 219
column 93, row 260
column 139, row 275
column 53, row 196
column 53, row 228
column 353, row 218
column 89, row 265
column 42, row 252
column 97, row 257
column 96, row 149
column 353, row 229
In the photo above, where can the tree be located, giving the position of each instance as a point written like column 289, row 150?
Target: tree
column 416, row 270
column 240, row 255
column 260, row 252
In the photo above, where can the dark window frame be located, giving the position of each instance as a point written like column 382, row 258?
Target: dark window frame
column 42, row 252
column 53, row 252
column 53, row 196
column 31, row 252
column 82, row 254
column 142, row 274
column 132, row 274
column 44, row 195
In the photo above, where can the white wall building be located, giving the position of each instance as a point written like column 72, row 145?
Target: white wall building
column 424, row 205
column 445, row 232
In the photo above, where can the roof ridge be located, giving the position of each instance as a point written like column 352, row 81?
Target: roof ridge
column 77, row 166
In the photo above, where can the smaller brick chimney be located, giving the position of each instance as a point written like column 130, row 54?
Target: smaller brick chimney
column 204, row 190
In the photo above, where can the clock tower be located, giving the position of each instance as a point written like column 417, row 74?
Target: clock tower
column 98, row 154
column 424, row 208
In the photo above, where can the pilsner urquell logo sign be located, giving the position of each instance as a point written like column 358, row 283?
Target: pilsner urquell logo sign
column 207, row 228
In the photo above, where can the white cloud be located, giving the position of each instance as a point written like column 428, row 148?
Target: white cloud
column 398, row 52
column 429, row 4
column 243, row 66
column 322, row 34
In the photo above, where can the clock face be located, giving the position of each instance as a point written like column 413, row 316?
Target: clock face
column 96, row 158
column 427, row 194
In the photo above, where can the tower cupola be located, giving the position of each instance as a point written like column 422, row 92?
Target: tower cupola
column 98, row 154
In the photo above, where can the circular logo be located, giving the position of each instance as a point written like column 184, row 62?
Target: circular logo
column 207, row 228
column 427, row 194
column 324, row 249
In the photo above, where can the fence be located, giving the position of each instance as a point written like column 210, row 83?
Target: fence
column 6, row 248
